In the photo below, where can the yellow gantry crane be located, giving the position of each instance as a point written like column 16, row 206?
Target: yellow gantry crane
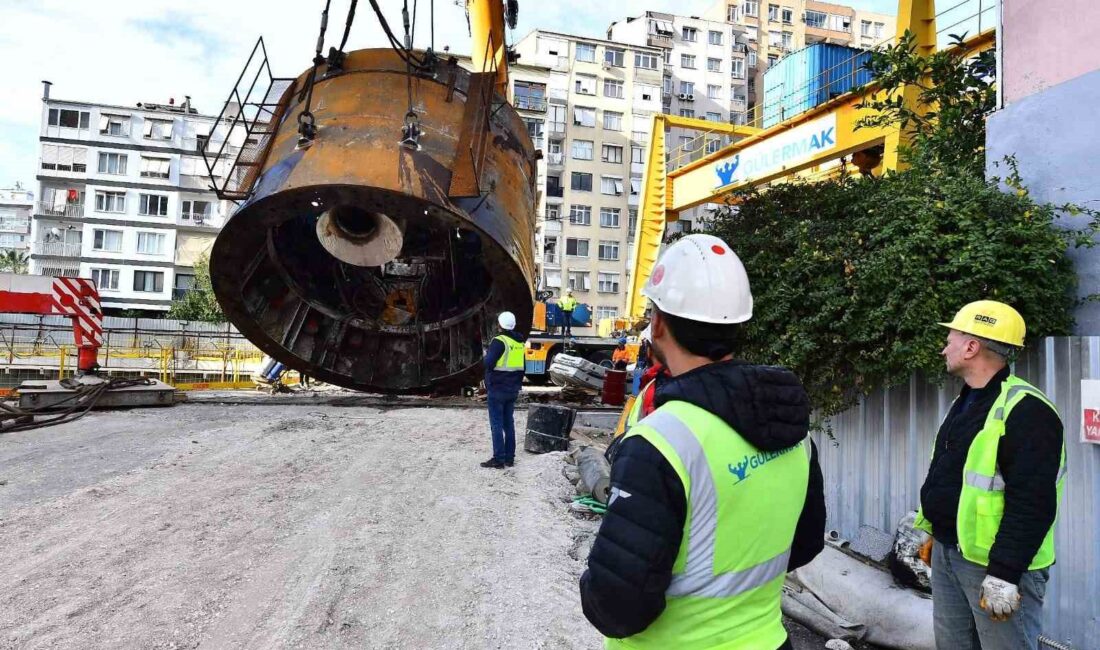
column 820, row 135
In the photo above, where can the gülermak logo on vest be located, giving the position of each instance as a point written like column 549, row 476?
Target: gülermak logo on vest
column 784, row 150
column 741, row 469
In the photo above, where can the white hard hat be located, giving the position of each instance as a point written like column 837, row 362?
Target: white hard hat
column 701, row 279
column 647, row 334
column 507, row 320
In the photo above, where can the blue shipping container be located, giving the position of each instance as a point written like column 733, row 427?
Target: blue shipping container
column 810, row 77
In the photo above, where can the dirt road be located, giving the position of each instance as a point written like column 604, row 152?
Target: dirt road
column 263, row 527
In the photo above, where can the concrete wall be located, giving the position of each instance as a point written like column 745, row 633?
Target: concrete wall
column 1047, row 43
column 1051, row 82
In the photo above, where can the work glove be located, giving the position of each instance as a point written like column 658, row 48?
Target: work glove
column 999, row 598
column 925, row 551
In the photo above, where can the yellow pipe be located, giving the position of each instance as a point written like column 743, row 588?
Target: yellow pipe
column 487, row 40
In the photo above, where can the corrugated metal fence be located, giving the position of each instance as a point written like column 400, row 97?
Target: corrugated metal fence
column 874, row 470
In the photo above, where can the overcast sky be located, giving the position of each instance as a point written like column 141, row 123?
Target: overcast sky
column 127, row 51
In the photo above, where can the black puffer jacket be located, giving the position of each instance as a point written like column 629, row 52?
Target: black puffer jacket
column 630, row 567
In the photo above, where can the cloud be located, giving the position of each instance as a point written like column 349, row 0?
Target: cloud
column 127, row 51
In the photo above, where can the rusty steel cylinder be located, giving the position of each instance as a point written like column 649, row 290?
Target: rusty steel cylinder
column 373, row 263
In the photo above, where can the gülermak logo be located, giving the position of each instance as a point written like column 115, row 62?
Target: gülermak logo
column 750, row 462
column 762, row 158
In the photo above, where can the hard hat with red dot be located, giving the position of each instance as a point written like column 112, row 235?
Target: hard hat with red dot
column 700, row 278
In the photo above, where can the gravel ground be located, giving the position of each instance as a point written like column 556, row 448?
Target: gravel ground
column 286, row 527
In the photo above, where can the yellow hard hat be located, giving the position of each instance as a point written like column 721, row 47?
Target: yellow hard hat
column 991, row 320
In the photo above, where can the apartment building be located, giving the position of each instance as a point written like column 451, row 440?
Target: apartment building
column 774, row 28
column 600, row 97
column 705, row 77
column 16, row 205
column 124, row 199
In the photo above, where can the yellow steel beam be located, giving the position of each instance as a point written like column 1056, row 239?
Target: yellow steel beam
column 487, row 40
column 652, row 214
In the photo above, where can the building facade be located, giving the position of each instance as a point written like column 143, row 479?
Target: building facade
column 775, row 28
column 124, row 199
column 600, row 98
column 16, row 205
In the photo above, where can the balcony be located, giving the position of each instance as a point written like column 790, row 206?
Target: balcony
column 537, row 104
column 195, row 219
column 659, row 40
column 60, row 271
column 19, row 226
column 740, row 48
column 555, row 192
column 55, row 249
column 551, row 258
column 60, row 209
column 554, row 159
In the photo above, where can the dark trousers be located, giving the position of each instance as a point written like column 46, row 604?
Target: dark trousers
column 503, row 426
column 567, row 326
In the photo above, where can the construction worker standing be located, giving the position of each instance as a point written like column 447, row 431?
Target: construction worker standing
column 620, row 358
column 991, row 495
column 717, row 493
column 503, row 380
column 567, row 303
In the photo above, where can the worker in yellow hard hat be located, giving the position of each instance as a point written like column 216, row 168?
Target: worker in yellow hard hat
column 717, row 493
column 991, row 496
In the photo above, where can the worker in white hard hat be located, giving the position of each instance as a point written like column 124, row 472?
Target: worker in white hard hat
column 716, row 494
column 504, row 365
column 990, row 500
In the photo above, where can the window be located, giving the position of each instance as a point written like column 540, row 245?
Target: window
column 578, row 280
column 714, row 65
column 687, row 61
column 158, row 129
column 687, row 88
column 631, row 223
column 112, row 163
column 534, row 130
column 687, row 112
column 689, row 34
column 200, row 142
column 637, row 155
column 530, row 96
column 713, row 145
column 585, row 84
column 557, row 118
column 197, row 211
column 612, row 153
column 580, row 181
column 155, row 167
column 613, row 88
column 668, row 56
column 788, row 40
column 110, row 201
column 611, row 185
column 647, row 61
column 714, row 117
column 149, row 281
column 609, row 217
column 150, row 243
column 553, row 278
column 752, row 59
column 775, row 38
column 606, row 313
column 788, row 15
column 714, row 92
column 584, row 116
column 714, row 38
column 586, row 52
column 612, row 121
column 553, row 186
column 153, row 205
column 660, row 27
column 64, row 159
column 733, row 13
column 580, row 215
column 687, row 143
column 582, row 150
column 772, row 58
column 614, row 57
column 646, row 92
column 576, row 247
column 109, row 241
column 114, row 124
column 753, row 33
column 553, row 212
column 635, row 184
column 640, row 136
column 105, row 279
column 877, row 32
column 70, row 119
column 609, row 251
column 816, row 19
column 773, row 12
column 608, row 283
column 738, row 68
